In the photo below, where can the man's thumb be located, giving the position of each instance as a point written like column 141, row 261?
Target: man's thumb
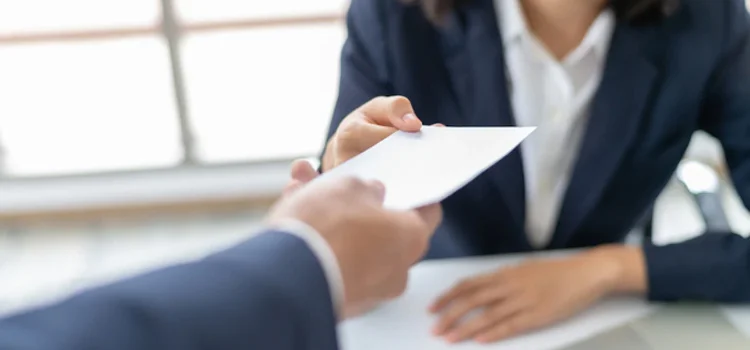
column 432, row 216
column 303, row 171
column 376, row 190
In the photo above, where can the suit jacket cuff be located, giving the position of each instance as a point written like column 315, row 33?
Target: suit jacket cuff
column 296, row 276
column 325, row 255
column 711, row 267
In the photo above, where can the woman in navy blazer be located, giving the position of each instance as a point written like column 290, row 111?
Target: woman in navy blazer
column 671, row 68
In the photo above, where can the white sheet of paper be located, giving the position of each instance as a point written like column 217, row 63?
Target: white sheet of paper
column 405, row 323
column 423, row 168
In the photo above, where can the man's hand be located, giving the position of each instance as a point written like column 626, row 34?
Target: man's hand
column 375, row 247
column 535, row 294
column 302, row 173
column 368, row 125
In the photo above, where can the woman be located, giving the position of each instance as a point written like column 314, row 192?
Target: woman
column 616, row 87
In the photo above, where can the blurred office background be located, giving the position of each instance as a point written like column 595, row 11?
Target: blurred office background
column 112, row 85
column 136, row 133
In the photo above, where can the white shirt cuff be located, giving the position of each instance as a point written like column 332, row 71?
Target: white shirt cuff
column 325, row 255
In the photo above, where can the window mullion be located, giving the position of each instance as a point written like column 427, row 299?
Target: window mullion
column 173, row 35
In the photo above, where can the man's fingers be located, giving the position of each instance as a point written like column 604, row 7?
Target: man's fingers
column 352, row 311
column 397, row 283
column 420, row 226
column 370, row 190
column 393, row 111
column 376, row 190
column 292, row 187
column 432, row 216
column 303, row 171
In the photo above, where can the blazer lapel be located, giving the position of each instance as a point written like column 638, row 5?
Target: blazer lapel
column 487, row 95
column 616, row 113
column 457, row 63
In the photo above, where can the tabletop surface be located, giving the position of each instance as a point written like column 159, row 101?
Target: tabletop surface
column 613, row 324
column 617, row 323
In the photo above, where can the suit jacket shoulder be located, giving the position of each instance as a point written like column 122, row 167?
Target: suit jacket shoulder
column 267, row 293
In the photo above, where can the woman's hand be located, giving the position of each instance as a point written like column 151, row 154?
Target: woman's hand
column 368, row 125
column 519, row 299
column 360, row 130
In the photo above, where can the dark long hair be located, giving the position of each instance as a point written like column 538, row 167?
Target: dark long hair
column 633, row 11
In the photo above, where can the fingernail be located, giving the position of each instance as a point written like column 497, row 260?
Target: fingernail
column 409, row 117
column 451, row 338
column 440, row 330
column 379, row 186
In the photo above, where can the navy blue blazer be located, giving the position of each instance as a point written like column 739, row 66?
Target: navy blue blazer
column 662, row 82
column 268, row 293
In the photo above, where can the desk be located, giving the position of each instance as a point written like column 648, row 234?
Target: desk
column 613, row 324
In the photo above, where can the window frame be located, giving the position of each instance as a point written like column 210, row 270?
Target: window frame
column 172, row 31
column 29, row 195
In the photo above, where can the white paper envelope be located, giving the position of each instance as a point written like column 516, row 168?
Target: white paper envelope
column 423, row 168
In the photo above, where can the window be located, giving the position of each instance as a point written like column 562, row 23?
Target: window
column 197, row 11
column 242, row 110
column 103, row 85
column 21, row 17
column 110, row 85
column 87, row 106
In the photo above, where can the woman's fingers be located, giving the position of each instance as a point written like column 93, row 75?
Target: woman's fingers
column 368, row 125
column 360, row 135
column 465, row 286
column 395, row 111
column 492, row 316
column 517, row 324
column 461, row 307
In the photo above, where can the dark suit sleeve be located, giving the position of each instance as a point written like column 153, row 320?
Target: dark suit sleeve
column 716, row 266
column 267, row 293
column 364, row 73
